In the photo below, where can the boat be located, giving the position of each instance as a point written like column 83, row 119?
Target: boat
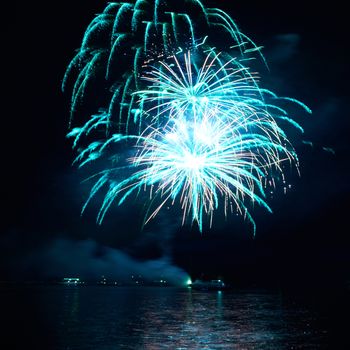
column 71, row 281
column 208, row 285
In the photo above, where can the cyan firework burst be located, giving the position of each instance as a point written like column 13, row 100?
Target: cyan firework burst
column 225, row 84
column 128, row 35
column 199, row 130
column 201, row 162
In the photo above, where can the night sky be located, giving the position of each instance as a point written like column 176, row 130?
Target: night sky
column 304, row 243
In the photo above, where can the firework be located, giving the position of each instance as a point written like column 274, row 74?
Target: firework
column 180, row 86
column 211, row 138
column 202, row 162
column 128, row 35
column 199, row 130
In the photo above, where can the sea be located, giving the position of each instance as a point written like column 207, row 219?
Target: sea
column 110, row 318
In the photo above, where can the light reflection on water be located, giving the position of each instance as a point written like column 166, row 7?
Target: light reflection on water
column 171, row 318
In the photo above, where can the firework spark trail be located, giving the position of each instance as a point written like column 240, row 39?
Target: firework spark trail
column 228, row 86
column 127, row 34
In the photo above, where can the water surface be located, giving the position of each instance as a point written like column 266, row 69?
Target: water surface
column 62, row 317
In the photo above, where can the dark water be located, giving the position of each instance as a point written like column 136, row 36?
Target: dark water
column 59, row 317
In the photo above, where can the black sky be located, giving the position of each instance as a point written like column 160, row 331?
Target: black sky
column 306, row 240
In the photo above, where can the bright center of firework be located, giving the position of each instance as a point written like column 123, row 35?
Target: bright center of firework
column 193, row 161
column 191, row 141
column 204, row 135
